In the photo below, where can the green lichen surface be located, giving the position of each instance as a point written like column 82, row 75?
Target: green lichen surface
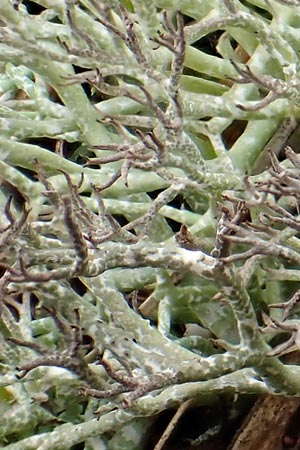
column 138, row 197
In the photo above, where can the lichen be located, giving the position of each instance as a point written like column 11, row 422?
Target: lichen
column 146, row 183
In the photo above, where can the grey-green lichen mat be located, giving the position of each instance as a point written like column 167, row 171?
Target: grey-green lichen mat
column 149, row 182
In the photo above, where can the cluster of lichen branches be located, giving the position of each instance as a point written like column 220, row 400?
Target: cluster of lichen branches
column 113, row 129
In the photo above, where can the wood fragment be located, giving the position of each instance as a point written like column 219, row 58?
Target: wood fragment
column 265, row 427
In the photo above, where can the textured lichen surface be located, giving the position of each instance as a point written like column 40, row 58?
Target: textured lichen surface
column 138, row 197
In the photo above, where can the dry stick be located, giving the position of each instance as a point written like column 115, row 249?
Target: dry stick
column 172, row 424
column 266, row 425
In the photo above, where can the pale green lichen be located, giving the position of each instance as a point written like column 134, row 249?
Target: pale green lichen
column 145, row 92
